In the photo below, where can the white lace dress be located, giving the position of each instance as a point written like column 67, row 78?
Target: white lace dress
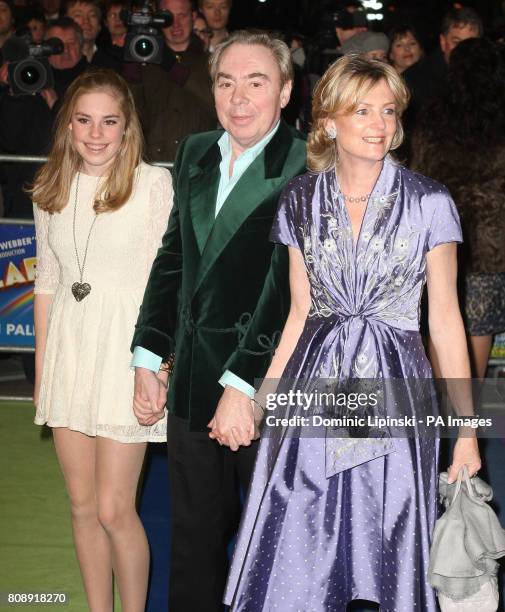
column 87, row 382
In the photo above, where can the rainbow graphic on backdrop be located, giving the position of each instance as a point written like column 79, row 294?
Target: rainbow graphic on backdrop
column 18, row 303
column 17, row 270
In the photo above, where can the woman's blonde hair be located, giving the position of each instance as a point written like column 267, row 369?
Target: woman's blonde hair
column 51, row 187
column 340, row 89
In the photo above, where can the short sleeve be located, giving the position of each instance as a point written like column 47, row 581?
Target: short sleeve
column 161, row 199
column 284, row 226
column 48, row 269
column 445, row 224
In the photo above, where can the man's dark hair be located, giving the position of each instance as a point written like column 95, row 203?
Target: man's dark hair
column 110, row 3
column 66, row 23
column 402, row 30
column 35, row 13
column 68, row 4
column 462, row 17
column 348, row 20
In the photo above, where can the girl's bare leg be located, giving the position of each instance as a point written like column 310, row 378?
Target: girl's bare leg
column 118, row 467
column 76, row 455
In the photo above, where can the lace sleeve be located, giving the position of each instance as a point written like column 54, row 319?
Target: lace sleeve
column 48, row 270
column 161, row 199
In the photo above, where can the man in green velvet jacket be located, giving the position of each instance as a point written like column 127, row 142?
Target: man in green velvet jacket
column 218, row 297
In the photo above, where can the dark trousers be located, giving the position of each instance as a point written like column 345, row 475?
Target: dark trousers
column 205, row 482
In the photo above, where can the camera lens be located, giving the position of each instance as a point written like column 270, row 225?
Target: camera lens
column 144, row 47
column 29, row 76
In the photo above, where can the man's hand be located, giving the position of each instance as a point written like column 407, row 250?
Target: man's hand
column 4, row 73
column 50, row 96
column 233, row 421
column 149, row 397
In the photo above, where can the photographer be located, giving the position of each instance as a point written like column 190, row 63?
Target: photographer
column 27, row 120
column 191, row 59
column 174, row 98
column 68, row 65
column 6, row 21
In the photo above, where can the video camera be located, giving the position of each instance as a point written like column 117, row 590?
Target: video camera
column 144, row 42
column 29, row 70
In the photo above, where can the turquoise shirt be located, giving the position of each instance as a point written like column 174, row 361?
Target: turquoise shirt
column 142, row 358
column 242, row 162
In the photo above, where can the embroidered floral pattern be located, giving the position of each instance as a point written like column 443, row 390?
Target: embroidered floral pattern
column 332, row 259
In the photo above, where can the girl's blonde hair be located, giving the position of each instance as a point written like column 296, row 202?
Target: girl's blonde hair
column 51, row 187
column 340, row 89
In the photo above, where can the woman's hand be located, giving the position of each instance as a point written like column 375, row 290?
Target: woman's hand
column 466, row 451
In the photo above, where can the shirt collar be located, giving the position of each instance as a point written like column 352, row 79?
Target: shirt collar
column 249, row 154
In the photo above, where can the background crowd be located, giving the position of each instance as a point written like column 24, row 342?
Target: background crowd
column 454, row 121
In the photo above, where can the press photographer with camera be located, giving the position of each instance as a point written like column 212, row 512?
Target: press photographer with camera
column 173, row 91
column 68, row 65
column 188, row 51
column 29, row 103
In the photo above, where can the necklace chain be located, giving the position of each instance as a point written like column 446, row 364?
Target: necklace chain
column 349, row 198
column 352, row 199
column 81, row 268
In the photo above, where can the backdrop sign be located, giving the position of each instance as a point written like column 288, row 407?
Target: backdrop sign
column 17, row 274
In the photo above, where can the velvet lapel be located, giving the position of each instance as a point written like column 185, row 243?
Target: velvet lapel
column 203, row 185
column 262, row 177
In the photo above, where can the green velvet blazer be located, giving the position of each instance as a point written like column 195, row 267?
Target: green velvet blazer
column 218, row 293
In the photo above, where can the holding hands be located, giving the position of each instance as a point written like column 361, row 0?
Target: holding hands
column 233, row 421
column 150, row 395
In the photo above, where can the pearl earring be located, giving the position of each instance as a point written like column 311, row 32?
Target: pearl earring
column 331, row 132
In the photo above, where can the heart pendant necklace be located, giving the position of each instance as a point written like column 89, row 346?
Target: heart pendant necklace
column 79, row 289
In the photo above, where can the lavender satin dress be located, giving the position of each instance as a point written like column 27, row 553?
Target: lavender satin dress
column 323, row 527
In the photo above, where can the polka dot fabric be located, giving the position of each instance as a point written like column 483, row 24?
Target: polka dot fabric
column 313, row 542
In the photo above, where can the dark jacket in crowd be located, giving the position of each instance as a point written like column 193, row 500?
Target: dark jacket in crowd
column 477, row 184
column 168, row 112
column 426, row 80
column 197, row 82
column 26, row 129
column 64, row 78
column 174, row 98
column 108, row 55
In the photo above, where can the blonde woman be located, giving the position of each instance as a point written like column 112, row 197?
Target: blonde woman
column 333, row 519
column 100, row 213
